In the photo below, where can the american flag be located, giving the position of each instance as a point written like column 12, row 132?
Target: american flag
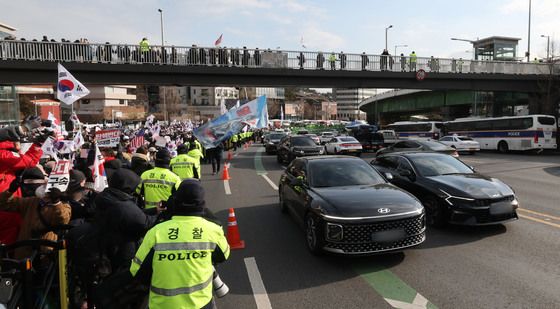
column 138, row 140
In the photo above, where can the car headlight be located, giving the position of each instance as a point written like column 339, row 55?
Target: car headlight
column 270, row 143
column 335, row 232
column 321, row 151
column 448, row 198
column 515, row 203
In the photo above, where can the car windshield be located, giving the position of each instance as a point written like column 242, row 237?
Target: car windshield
column 348, row 139
column 464, row 138
column 435, row 145
column 276, row 136
column 331, row 173
column 439, row 164
column 303, row 142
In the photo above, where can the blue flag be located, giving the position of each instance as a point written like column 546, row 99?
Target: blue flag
column 253, row 114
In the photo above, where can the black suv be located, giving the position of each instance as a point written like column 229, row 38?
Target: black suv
column 272, row 140
column 291, row 147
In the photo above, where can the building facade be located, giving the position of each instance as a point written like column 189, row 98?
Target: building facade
column 109, row 102
column 348, row 100
column 207, row 101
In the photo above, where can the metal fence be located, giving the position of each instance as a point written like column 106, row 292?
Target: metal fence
column 254, row 58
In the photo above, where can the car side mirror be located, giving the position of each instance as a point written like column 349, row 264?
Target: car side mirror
column 408, row 174
column 389, row 176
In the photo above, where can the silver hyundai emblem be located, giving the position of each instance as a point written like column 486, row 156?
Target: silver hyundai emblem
column 384, row 210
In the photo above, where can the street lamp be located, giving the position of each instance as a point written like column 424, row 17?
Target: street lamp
column 398, row 46
column 386, row 30
column 466, row 40
column 547, row 45
column 162, row 55
column 528, row 54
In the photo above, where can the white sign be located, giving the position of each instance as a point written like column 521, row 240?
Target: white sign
column 161, row 141
column 108, row 138
column 60, row 176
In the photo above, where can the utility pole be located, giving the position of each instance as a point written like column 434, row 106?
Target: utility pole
column 162, row 53
column 529, row 36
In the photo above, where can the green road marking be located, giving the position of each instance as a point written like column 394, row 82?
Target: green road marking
column 389, row 286
column 258, row 162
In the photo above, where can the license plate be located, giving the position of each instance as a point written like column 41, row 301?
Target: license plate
column 352, row 150
column 501, row 208
column 547, row 140
column 388, row 236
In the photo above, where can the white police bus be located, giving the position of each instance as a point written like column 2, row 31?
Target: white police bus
column 421, row 130
column 532, row 132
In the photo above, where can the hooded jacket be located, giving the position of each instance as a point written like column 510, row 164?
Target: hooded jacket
column 123, row 223
column 30, row 208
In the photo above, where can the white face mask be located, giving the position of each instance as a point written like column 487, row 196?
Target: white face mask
column 41, row 191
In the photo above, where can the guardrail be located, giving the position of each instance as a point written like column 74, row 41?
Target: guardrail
column 254, row 58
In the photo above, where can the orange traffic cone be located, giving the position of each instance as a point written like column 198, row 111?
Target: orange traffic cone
column 225, row 173
column 233, row 238
column 229, row 156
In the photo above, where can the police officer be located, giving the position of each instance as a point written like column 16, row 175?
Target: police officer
column 196, row 154
column 180, row 252
column 413, row 59
column 144, row 48
column 184, row 165
column 158, row 183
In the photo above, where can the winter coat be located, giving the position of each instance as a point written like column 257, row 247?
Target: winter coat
column 123, row 223
column 140, row 163
column 32, row 226
column 10, row 163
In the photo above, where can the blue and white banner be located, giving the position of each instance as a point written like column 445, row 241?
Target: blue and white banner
column 253, row 114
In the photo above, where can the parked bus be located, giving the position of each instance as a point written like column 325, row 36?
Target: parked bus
column 532, row 132
column 422, row 130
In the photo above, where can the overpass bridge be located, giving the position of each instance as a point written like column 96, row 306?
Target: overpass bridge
column 26, row 62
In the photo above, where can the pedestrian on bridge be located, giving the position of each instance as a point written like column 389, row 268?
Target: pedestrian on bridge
column 144, row 49
column 365, row 61
column 320, row 60
column 246, row 56
column 342, row 58
column 460, row 65
column 257, row 56
column 413, row 59
column 301, row 60
column 403, row 63
column 384, row 60
column 332, row 60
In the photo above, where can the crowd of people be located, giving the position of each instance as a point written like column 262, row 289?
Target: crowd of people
column 153, row 197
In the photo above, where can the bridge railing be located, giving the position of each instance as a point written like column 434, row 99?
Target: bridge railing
column 254, row 58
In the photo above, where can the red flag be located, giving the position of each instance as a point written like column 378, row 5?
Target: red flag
column 137, row 141
column 219, row 40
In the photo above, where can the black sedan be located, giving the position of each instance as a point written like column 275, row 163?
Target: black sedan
column 272, row 140
column 450, row 190
column 347, row 207
column 291, row 147
column 419, row 145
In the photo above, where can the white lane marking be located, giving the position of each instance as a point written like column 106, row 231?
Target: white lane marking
column 270, row 182
column 259, row 291
column 226, row 187
column 419, row 302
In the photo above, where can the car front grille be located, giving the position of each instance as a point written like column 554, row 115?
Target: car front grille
column 357, row 238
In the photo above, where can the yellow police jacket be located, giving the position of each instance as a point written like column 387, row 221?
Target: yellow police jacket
column 157, row 185
column 182, row 270
column 197, row 155
column 144, row 46
column 184, row 166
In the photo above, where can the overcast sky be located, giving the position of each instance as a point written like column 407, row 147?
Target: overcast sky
column 328, row 25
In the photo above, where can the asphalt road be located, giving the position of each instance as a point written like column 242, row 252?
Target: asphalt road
column 515, row 265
